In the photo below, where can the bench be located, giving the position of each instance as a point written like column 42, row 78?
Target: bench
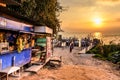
column 7, row 71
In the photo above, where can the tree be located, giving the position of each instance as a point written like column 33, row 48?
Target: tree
column 44, row 12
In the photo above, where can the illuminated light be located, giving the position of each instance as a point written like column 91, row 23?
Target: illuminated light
column 2, row 4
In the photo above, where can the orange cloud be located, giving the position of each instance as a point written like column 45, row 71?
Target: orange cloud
column 112, row 20
column 110, row 0
column 78, row 16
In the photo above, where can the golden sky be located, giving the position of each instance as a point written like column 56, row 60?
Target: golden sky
column 90, row 15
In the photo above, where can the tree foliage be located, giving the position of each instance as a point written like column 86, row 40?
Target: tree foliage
column 44, row 12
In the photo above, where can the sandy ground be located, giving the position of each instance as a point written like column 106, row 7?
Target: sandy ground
column 77, row 67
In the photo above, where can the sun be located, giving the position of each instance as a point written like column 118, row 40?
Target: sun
column 97, row 21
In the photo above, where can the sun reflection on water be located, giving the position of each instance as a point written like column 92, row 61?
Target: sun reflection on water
column 97, row 35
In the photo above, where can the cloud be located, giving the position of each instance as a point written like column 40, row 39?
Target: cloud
column 112, row 29
column 112, row 20
column 88, row 3
column 78, row 3
column 80, row 13
column 108, row 2
column 118, row 19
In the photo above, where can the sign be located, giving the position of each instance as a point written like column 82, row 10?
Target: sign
column 27, row 27
column 10, row 24
column 49, row 30
column 41, row 42
column 13, row 24
column 43, row 29
column 2, row 22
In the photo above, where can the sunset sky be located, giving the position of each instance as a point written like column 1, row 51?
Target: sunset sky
column 90, row 15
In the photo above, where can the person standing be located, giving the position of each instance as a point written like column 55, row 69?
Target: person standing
column 63, row 44
column 71, row 46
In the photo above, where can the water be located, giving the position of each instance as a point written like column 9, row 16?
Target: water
column 106, row 38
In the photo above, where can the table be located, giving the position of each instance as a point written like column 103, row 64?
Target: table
column 9, row 70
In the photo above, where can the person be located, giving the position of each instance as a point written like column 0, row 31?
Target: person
column 63, row 44
column 71, row 46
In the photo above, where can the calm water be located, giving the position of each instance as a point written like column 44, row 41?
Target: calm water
column 106, row 38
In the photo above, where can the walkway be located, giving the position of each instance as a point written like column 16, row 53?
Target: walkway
column 77, row 67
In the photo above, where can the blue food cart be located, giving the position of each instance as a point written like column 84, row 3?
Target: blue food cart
column 10, row 58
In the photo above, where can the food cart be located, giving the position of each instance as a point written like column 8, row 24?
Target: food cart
column 44, row 42
column 15, row 49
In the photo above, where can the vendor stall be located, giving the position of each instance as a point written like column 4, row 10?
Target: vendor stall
column 43, row 42
column 15, row 43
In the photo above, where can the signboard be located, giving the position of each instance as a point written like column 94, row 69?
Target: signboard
column 27, row 27
column 49, row 47
column 41, row 42
column 49, row 30
column 13, row 24
column 2, row 22
column 10, row 24
column 43, row 29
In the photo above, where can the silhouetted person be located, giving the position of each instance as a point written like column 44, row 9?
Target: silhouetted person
column 71, row 46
